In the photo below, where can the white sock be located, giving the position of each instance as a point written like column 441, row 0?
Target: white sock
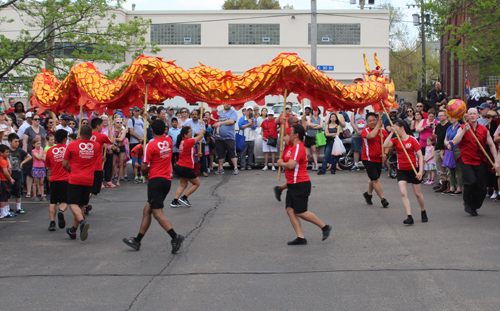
column 18, row 206
column 3, row 211
column 356, row 164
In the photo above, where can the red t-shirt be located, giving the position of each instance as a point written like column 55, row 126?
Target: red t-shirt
column 100, row 139
column 269, row 128
column 3, row 164
column 299, row 173
column 82, row 156
column 53, row 160
column 214, row 115
column 186, row 153
column 469, row 149
column 372, row 148
column 158, row 156
column 137, row 152
column 411, row 146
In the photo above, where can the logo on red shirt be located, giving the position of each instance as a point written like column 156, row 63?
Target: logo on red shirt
column 86, row 150
column 58, row 151
column 93, row 138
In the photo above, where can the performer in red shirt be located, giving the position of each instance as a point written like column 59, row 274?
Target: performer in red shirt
column 291, row 121
column 80, row 160
column 158, row 164
column 373, row 157
column 473, row 161
column 405, row 171
column 299, row 186
column 58, row 179
column 103, row 141
column 269, row 129
column 185, row 166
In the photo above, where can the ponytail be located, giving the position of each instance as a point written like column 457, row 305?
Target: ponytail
column 183, row 132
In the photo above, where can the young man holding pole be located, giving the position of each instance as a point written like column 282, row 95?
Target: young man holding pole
column 372, row 156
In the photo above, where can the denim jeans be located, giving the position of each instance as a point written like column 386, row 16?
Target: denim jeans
column 329, row 159
column 248, row 149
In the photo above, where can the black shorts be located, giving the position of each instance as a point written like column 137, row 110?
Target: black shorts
column 58, row 192
column 28, row 167
column 408, row 176
column 223, row 146
column 158, row 189
column 17, row 188
column 185, row 172
column 373, row 169
column 78, row 195
column 96, row 187
column 297, row 196
column 4, row 191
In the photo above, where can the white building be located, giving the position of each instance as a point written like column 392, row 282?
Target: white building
column 242, row 39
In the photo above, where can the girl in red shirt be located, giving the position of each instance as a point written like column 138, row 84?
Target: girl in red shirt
column 185, row 165
column 405, row 171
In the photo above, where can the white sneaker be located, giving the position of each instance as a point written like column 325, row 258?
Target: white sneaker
column 273, row 168
column 494, row 195
column 265, row 168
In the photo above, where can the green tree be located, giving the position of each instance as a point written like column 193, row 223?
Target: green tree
column 476, row 40
column 57, row 34
column 251, row 5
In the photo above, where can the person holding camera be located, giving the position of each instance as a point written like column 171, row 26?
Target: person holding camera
column 426, row 129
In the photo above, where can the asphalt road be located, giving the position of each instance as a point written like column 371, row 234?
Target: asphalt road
column 236, row 257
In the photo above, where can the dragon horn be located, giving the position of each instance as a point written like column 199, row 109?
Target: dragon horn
column 367, row 67
column 390, row 88
column 376, row 61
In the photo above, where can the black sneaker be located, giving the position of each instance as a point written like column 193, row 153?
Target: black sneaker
column 320, row 172
column 473, row 212
column 277, row 193
column 424, row 216
column 184, row 201
column 326, row 232
column 175, row 203
column 132, row 243
column 84, row 230
column 408, row 221
column 467, row 208
column 72, row 235
column 384, row 202
column 60, row 220
column 176, row 243
column 88, row 209
column 354, row 168
column 298, row 241
column 52, row 226
column 368, row 198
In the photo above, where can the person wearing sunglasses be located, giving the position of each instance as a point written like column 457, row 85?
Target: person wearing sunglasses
column 65, row 119
column 32, row 132
column 184, row 116
column 420, row 108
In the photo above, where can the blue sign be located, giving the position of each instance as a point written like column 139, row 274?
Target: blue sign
column 325, row 68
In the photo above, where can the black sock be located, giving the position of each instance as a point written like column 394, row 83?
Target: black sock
column 175, row 200
column 52, row 222
column 82, row 221
column 184, row 197
column 72, row 230
column 324, row 228
column 172, row 233
column 409, row 216
column 139, row 237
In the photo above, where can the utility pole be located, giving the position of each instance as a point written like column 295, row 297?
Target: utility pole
column 314, row 34
column 422, row 34
column 49, row 34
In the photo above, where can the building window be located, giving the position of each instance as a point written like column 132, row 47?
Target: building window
column 492, row 83
column 251, row 34
column 335, row 34
column 171, row 34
